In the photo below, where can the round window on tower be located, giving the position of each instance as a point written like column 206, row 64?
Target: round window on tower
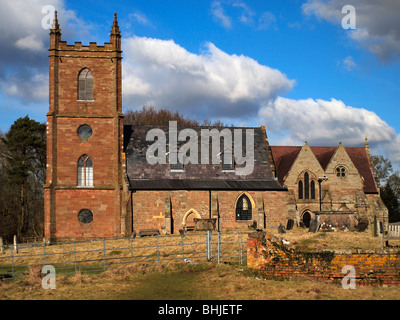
column 85, row 131
column 85, row 216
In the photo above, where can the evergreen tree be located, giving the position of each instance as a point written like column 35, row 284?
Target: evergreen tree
column 392, row 203
column 25, row 163
column 389, row 183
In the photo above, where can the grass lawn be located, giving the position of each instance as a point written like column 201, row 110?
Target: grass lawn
column 204, row 281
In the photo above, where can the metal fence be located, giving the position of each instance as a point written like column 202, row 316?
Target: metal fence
column 104, row 254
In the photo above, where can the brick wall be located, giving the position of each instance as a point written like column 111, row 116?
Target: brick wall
column 148, row 207
column 268, row 255
column 63, row 198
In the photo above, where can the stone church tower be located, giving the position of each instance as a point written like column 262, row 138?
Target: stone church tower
column 84, row 183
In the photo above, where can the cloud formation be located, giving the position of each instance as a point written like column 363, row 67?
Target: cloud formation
column 219, row 15
column 225, row 12
column 210, row 84
column 349, row 63
column 377, row 23
column 325, row 123
column 140, row 18
column 24, row 43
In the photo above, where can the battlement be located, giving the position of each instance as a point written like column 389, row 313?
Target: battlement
column 57, row 44
column 93, row 46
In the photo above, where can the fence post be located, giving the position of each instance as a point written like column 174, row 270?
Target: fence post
column 15, row 244
column 12, row 264
column 219, row 247
column 44, row 253
column 158, row 253
column 104, row 247
column 183, row 249
column 132, row 249
column 241, row 250
column 209, row 245
column 75, row 255
column 1, row 245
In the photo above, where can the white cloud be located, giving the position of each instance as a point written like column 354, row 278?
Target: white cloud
column 209, row 84
column 377, row 23
column 247, row 13
column 24, row 43
column 349, row 63
column 266, row 20
column 321, row 122
column 325, row 122
column 240, row 11
column 30, row 43
column 219, row 14
column 141, row 18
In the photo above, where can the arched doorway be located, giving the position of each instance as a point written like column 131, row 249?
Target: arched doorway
column 188, row 219
column 306, row 218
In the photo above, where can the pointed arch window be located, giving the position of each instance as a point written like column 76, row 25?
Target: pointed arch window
column 85, row 171
column 300, row 189
column 312, row 189
column 243, row 209
column 306, row 187
column 85, row 85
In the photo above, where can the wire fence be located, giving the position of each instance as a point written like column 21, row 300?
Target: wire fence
column 94, row 256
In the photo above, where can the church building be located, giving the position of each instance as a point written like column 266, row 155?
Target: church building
column 100, row 182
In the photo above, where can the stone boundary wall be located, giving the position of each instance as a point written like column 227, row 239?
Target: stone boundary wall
column 275, row 260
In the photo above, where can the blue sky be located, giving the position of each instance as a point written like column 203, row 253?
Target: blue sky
column 288, row 65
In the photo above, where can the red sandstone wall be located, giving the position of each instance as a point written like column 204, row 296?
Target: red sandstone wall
column 104, row 205
column 63, row 199
column 148, row 208
column 372, row 267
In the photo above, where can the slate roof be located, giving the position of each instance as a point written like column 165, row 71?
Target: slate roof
column 284, row 156
column 144, row 176
column 180, row 184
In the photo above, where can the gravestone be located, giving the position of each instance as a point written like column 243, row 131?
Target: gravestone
column 362, row 225
column 290, row 224
column 314, row 224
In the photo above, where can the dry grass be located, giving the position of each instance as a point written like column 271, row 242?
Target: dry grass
column 144, row 250
column 302, row 239
column 180, row 281
column 176, row 280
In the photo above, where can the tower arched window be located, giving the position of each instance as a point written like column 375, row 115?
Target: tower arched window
column 85, row 171
column 85, row 85
column 243, row 208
